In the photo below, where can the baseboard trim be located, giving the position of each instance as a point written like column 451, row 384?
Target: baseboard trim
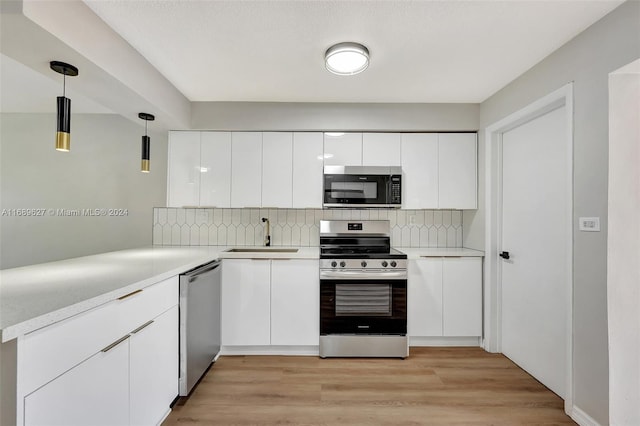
column 443, row 341
column 582, row 418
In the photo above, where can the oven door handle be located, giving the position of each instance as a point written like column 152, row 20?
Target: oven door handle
column 363, row 275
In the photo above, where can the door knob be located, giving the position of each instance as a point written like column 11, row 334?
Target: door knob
column 504, row 255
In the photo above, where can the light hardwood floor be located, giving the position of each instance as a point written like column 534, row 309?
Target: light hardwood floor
column 463, row 386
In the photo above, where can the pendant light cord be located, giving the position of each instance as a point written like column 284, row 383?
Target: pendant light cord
column 64, row 84
column 145, row 126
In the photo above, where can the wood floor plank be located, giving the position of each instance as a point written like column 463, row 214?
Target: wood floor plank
column 433, row 386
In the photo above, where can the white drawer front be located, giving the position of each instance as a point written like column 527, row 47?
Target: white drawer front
column 50, row 351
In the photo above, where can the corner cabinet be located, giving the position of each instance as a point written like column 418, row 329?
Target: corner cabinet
column 113, row 365
column 269, row 302
column 445, row 299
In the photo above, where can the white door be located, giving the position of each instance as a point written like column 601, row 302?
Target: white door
column 246, row 169
column 457, row 171
column 343, row 149
column 535, row 232
column 381, row 149
column 307, row 170
column 153, row 363
column 215, row 169
column 184, row 169
column 295, row 302
column 419, row 170
column 277, row 169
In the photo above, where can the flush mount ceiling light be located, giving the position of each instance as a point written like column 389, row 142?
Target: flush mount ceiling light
column 346, row 58
column 63, row 131
column 146, row 143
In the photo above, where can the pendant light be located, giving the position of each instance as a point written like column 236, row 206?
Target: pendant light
column 63, row 129
column 346, row 58
column 146, row 143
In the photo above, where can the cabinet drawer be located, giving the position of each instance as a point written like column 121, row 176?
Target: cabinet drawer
column 50, row 351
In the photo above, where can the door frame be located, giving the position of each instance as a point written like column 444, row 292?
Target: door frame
column 492, row 340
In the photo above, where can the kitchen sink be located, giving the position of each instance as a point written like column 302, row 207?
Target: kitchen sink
column 261, row 250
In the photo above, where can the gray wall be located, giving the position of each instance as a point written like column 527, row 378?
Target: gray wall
column 586, row 60
column 102, row 170
column 333, row 116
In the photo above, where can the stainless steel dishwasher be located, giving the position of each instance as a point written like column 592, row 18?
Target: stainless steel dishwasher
column 199, row 322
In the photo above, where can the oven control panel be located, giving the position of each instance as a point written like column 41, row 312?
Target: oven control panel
column 384, row 264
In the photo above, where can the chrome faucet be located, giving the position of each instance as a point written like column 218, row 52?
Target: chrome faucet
column 267, row 237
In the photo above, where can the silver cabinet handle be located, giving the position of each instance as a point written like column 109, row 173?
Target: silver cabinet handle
column 116, row 343
column 146, row 324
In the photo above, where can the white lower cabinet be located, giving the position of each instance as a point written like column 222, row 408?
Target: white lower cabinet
column 445, row 297
column 95, row 392
column 246, row 309
column 153, row 363
column 116, row 364
column 270, row 302
column 295, row 300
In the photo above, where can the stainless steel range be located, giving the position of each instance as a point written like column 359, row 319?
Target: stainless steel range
column 363, row 291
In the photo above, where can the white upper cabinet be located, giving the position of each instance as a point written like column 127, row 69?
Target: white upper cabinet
column 246, row 169
column 457, row 174
column 343, row 149
column 381, row 149
column 215, row 169
column 277, row 169
column 307, row 170
column 184, row 169
column 420, row 170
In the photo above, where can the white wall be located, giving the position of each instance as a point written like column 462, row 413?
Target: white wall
column 586, row 60
column 102, row 170
column 624, row 246
column 333, row 116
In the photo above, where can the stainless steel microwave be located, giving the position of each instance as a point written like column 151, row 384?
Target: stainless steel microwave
column 362, row 186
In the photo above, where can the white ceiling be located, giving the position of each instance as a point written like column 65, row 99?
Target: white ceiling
column 421, row 51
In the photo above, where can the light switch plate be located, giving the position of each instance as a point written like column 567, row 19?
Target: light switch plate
column 589, row 224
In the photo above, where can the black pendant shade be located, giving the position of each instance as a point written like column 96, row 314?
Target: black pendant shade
column 63, row 127
column 146, row 143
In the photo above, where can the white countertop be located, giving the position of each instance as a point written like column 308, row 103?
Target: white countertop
column 35, row 296
column 418, row 252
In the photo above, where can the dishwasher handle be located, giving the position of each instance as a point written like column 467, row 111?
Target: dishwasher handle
column 195, row 273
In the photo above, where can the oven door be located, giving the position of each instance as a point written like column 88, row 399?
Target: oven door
column 348, row 190
column 363, row 306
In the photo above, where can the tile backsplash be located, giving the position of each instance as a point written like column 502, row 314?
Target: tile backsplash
column 297, row 227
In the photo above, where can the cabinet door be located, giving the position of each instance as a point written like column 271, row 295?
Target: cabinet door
column 215, row 169
column 381, row 149
column 343, row 149
column 184, row 169
column 307, row 170
column 277, row 169
column 424, row 299
column 95, row 392
column 246, row 169
column 295, row 301
column 246, row 302
column 420, row 171
column 457, row 174
column 462, row 296
column 154, row 368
